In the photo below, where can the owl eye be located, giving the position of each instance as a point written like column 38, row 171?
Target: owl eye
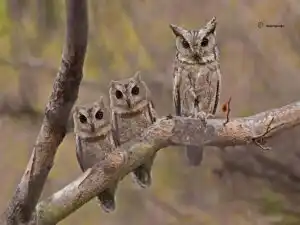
column 118, row 94
column 135, row 90
column 82, row 118
column 204, row 42
column 185, row 44
column 99, row 115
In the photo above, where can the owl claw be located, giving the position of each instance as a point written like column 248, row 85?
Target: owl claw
column 210, row 116
column 203, row 115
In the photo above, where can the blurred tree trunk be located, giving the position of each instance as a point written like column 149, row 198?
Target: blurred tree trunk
column 46, row 18
column 27, row 84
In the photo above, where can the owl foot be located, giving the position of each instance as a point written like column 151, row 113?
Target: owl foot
column 107, row 201
column 142, row 177
column 204, row 116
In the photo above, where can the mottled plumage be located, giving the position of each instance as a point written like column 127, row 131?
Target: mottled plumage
column 94, row 139
column 196, row 76
column 132, row 112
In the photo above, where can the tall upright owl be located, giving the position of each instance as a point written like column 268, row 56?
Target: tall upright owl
column 196, row 76
column 132, row 112
column 94, row 140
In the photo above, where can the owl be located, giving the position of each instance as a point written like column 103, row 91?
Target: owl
column 196, row 76
column 132, row 112
column 94, row 140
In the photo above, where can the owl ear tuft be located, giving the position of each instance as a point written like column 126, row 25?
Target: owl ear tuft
column 210, row 27
column 99, row 102
column 113, row 83
column 75, row 109
column 137, row 76
column 177, row 30
column 101, row 99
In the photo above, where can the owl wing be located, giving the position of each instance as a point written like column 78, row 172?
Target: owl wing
column 115, row 129
column 176, row 92
column 79, row 153
column 217, row 94
column 191, row 101
column 152, row 112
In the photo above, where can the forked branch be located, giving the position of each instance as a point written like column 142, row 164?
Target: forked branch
column 166, row 131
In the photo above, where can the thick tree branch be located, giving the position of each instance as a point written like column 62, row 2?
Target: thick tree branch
column 166, row 131
column 63, row 96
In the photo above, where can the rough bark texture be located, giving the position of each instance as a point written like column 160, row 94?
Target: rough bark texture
column 63, row 96
column 166, row 131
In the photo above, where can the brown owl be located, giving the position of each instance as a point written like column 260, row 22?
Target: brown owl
column 132, row 112
column 196, row 76
column 94, row 140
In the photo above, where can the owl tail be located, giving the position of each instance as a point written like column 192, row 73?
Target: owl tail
column 107, row 201
column 142, row 176
column 194, row 155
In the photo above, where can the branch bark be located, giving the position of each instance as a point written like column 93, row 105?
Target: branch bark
column 53, row 129
column 166, row 131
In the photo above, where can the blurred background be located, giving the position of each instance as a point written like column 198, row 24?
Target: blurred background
column 260, row 68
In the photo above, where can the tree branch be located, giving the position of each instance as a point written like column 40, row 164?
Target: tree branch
column 166, row 131
column 62, row 99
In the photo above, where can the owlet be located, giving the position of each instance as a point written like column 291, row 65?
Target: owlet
column 196, row 76
column 132, row 112
column 94, row 140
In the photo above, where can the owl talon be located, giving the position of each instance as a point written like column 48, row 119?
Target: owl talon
column 210, row 116
column 190, row 115
column 203, row 115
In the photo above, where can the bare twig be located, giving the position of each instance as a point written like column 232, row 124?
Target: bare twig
column 260, row 141
column 64, row 94
column 226, row 108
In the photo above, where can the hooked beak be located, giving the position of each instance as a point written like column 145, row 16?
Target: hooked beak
column 197, row 57
column 128, row 103
column 92, row 128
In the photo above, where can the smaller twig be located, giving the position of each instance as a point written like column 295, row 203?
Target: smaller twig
column 226, row 108
column 261, row 146
column 260, row 141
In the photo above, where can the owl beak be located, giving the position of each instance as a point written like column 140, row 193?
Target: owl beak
column 92, row 128
column 128, row 103
column 197, row 57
